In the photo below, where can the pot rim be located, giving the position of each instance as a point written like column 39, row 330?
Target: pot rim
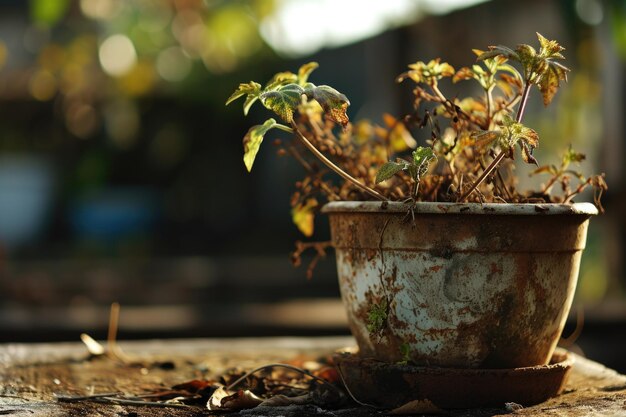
column 422, row 207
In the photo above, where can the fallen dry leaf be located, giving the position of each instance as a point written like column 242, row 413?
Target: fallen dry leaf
column 417, row 407
column 223, row 399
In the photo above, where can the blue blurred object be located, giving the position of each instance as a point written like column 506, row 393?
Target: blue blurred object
column 115, row 213
column 26, row 195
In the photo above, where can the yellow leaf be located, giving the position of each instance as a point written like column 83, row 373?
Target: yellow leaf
column 401, row 139
column 303, row 216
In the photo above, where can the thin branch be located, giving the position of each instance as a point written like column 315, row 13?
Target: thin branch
column 294, row 152
column 334, row 167
column 282, row 365
column 502, row 154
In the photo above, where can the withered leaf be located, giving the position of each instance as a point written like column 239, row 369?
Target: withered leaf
column 551, row 80
column 334, row 103
column 223, row 399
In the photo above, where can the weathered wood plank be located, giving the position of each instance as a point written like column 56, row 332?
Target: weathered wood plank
column 31, row 375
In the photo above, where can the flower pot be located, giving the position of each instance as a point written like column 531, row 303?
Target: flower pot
column 461, row 285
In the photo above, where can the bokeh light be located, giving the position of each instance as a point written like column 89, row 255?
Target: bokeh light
column 101, row 9
column 3, row 54
column 590, row 11
column 173, row 64
column 43, row 85
column 117, row 55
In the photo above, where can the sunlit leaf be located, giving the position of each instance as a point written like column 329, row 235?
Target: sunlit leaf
column 400, row 138
column 422, row 157
column 526, row 55
column 223, row 399
column 250, row 100
column 305, row 71
column 334, row 103
column 252, row 141
column 282, row 78
column 251, row 89
column 549, row 48
column 485, row 137
column 550, row 82
column 388, row 170
column 464, row 73
column 283, row 100
column 430, row 72
column 471, row 105
column 303, row 216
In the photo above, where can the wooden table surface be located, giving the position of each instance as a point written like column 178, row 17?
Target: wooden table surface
column 31, row 375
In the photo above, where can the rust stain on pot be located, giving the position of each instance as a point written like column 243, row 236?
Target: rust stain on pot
column 462, row 289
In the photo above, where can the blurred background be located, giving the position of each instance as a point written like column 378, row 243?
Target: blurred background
column 121, row 176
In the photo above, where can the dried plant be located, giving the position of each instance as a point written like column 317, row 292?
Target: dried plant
column 467, row 158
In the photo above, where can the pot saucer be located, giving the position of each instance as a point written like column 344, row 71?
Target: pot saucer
column 392, row 385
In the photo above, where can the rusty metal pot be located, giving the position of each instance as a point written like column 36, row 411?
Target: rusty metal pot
column 461, row 285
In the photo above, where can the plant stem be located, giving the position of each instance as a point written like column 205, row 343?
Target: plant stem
column 501, row 155
column 334, row 167
column 489, row 106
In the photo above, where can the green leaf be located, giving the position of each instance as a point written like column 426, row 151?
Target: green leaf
column 573, row 156
column 549, row 48
column 423, row 156
column 252, row 89
column 388, row 170
column 514, row 132
column 377, row 317
column 332, row 101
column 283, row 100
column 253, row 139
column 305, row 71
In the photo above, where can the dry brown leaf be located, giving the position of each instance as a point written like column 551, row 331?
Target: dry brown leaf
column 417, row 407
column 223, row 399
